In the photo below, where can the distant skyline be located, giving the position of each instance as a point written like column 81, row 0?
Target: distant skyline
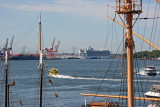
column 76, row 23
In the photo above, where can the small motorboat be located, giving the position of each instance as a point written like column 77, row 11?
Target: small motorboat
column 150, row 70
column 53, row 71
column 155, row 92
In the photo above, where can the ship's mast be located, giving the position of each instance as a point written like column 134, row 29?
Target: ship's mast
column 130, row 42
column 128, row 8
column 40, row 64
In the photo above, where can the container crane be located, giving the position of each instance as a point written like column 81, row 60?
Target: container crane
column 10, row 52
column 57, row 46
column 52, row 45
column 50, row 53
column 4, row 48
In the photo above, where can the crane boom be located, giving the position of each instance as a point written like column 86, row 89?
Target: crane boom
column 11, row 42
column 57, row 46
column 6, row 45
column 52, row 45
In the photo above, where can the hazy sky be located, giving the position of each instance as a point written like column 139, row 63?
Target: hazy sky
column 79, row 23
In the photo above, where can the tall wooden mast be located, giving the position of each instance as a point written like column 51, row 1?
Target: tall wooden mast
column 130, row 42
column 40, row 64
column 128, row 8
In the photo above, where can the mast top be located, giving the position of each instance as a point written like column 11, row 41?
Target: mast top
column 40, row 18
column 122, row 6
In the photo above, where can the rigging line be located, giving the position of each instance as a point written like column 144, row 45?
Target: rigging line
column 117, row 63
column 145, row 31
column 46, row 102
column 153, row 30
column 30, row 29
column 136, row 20
column 14, row 87
column 107, row 71
column 156, row 25
column 137, row 71
column 2, row 87
column 113, row 78
column 116, row 33
column 121, row 19
column 124, row 62
column 123, row 69
column 153, row 25
column 112, row 39
column 54, row 86
column 145, row 25
column 145, row 18
column 107, row 36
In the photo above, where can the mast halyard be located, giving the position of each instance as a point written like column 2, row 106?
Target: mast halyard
column 40, row 64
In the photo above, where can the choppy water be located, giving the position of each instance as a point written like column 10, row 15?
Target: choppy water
column 76, row 76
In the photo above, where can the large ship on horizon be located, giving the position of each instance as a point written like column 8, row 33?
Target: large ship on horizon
column 91, row 53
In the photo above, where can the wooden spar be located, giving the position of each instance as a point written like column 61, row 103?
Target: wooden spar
column 135, row 33
column 123, row 97
column 130, row 43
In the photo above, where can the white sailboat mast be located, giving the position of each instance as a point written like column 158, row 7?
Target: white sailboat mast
column 40, row 46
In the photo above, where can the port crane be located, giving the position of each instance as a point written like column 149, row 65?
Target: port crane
column 50, row 53
column 52, row 45
column 9, row 50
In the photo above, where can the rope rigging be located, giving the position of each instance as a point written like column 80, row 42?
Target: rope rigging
column 145, row 18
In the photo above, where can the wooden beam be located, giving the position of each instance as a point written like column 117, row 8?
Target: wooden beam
column 135, row 33
column 123, row 97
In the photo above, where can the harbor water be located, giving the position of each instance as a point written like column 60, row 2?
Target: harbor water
column 75, row 76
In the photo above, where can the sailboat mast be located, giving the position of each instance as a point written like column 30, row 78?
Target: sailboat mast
column 40, row 34
column 6, row 76
column 40, row 64
column 6, row 82
column 130, row 42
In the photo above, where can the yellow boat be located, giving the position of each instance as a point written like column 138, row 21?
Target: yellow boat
column 53, row 71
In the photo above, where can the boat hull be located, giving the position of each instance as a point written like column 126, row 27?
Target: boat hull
column 152, row 94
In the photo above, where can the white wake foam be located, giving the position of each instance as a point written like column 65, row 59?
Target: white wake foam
column 87, row 78
column 83, row 78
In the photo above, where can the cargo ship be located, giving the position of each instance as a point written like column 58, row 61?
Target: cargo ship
column 91, row 53
column 25, row 57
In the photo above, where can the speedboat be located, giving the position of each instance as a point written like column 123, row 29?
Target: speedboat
column 155, row 91
column 53, row 71
column 150, row 70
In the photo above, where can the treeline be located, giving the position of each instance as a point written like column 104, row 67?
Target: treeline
column 147, row 54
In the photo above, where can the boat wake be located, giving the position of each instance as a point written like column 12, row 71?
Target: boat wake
column 83, row 78
column 89, row 78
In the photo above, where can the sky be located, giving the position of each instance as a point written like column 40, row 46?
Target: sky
column 75, row 23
